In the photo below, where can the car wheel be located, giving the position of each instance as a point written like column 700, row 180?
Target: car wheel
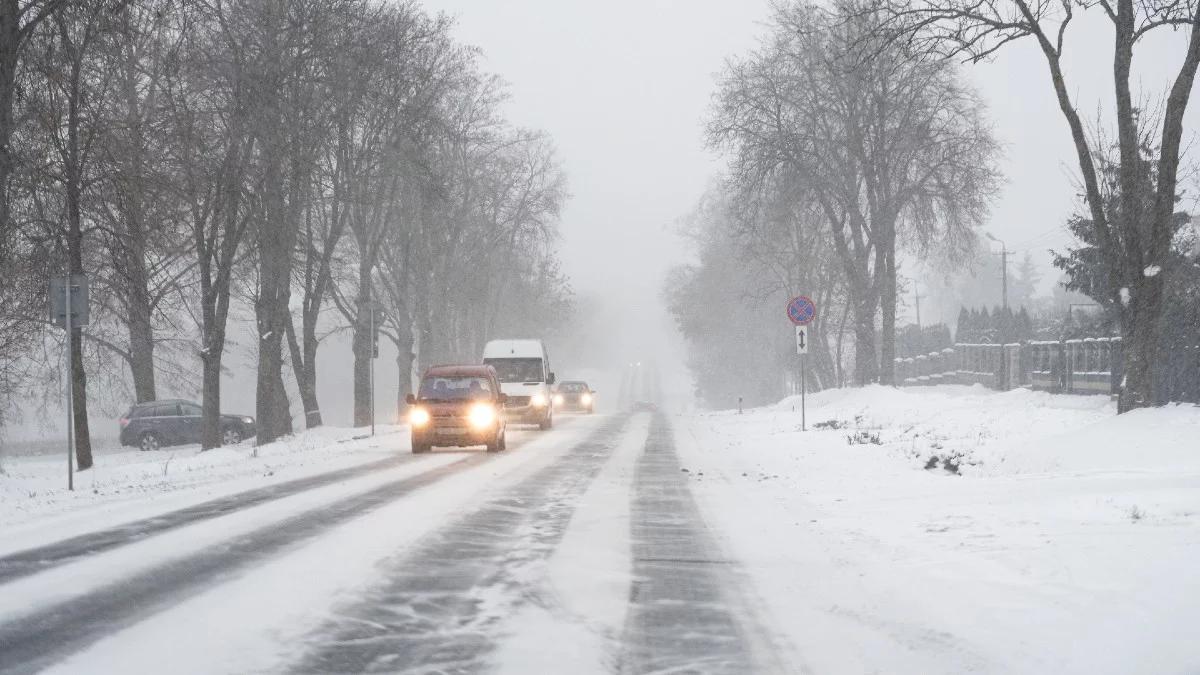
column 547, row 422
column 421, row 448
column 231, row 436
column 149, row 442
column 495, row 446
column 504, row 439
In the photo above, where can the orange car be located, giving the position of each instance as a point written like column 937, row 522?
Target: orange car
column 458, row 406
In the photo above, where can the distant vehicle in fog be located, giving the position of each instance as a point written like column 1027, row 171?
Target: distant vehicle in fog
column 458, row 406
column 575, row 395
column 155, row 424
column 524, row 370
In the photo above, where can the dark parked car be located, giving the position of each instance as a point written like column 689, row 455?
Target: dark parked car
column 458, row 406
column 575, row 395
column 156, row 424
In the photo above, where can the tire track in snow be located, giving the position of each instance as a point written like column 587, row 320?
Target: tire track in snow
column 684, row 616
column 33, row 560
column 440, row 607
column 45, row 636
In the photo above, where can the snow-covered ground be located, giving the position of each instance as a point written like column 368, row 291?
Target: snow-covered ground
column 36, row 507
column 1046, row 535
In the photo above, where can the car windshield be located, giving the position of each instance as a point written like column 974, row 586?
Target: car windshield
column 517, row 370
column 454, row 388
column 572, row 387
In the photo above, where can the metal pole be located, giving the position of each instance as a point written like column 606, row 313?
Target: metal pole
column 372, row 366
column 803, row 392
column 70, row 390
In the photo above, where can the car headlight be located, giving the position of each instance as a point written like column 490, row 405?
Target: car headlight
column 481, row 416
column 558, row 399
column 248, row 420
column 538, row 401
column 586, row 399
column 418, row 417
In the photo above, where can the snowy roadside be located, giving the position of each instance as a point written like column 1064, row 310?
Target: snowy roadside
column 1047, row 534
column 36, row 507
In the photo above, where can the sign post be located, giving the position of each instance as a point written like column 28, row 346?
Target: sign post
column 69, row 308
column 801, row 311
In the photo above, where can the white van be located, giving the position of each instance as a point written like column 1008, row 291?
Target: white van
column 524, row 370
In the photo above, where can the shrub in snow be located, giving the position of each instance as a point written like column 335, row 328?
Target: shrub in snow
column 863, row 438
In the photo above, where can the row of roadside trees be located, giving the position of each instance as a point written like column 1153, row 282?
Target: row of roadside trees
column 331, row 165
column 851, row 137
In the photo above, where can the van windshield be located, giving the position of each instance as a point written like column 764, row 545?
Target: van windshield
column 517, row 370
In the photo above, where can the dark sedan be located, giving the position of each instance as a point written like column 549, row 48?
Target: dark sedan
column 575, row 395
column 157, row 424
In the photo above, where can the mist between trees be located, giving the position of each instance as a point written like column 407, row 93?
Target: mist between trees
column 332, row 165
column 852, row 139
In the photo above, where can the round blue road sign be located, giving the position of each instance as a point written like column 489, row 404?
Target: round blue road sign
column 801, row 310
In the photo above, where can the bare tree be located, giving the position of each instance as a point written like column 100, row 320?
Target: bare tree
column 977, row 30
column 208, row 96
column 18, row 20
column 137, row 206
column 384, row 153
column 893, row 146
column 68, row 117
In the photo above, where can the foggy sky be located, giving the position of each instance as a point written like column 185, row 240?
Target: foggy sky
column 624, row 86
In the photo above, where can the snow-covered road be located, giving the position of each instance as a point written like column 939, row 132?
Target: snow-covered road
column 443, row 562
column 940, row 530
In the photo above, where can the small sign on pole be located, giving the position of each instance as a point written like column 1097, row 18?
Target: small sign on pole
column 68, row 310
column 75, row 297
column 801, row 311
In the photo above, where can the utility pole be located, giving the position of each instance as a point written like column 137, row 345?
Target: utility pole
column 917, row 298
column 1003, row 267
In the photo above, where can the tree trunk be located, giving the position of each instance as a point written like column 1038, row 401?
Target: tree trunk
column 1140, row 334
column 141, row 361
column 363, row 349
column 73, row 184
column 887, row 302
column 840, row 369
column 10, row 12
column 210, row 422
column 866, row 366
column 304, row 365
column 131, row 247
column 404, row 364
column 272, row 408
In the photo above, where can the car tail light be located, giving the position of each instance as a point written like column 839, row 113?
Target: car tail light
column 124, row 422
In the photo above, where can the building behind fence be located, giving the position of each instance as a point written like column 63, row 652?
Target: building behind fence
column 1079, row 366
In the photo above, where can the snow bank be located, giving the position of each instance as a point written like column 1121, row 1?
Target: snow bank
column 1050, row 535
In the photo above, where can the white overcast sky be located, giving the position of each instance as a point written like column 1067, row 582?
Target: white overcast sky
column 623, row 87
